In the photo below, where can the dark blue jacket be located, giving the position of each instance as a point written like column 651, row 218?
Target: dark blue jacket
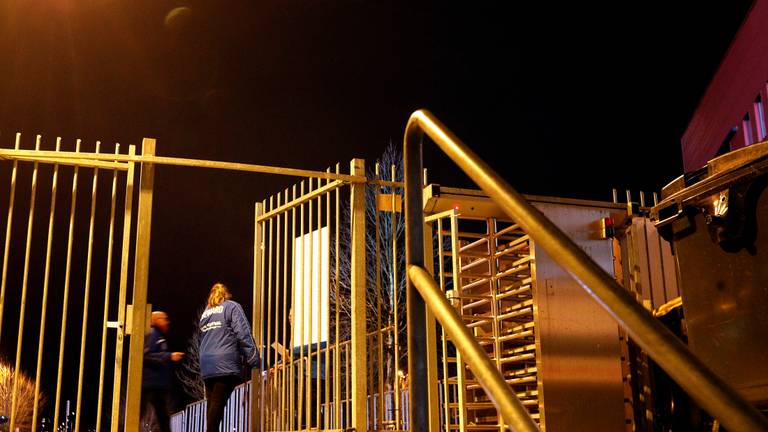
column 157, row 358
column 225, row 340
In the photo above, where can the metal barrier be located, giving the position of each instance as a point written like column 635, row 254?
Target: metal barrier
column 352, row 376
column 236, row 414
column 673, row 356
column 60, row 168
column 329, row 286
column 133, row 321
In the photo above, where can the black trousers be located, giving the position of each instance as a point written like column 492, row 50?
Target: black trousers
column 157, row 398
column 217, row 391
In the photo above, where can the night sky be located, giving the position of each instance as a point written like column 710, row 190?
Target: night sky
column 564, row 101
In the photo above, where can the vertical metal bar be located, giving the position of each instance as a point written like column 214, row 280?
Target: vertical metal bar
column 348, row 394
column 277, row 406
column 434, row 400
column 370, row 406
column 309, row 252
column 395, row 305
column 287, row 358
column 461, row 386
column 268, row 250
column 124, row 258
column 299, row 294
column 320, row 304
column 8, row 225
column 107, row 286
column 379, row 330
column 357, row 283
column 542, row 420
column 328, row 321
column 65, row 296
column 257, row 413
column 292, row 390
column 492, row 229
column 44, row 307
column 441, row 272
column 24, row 285
column 86, row 295
column 337, row 348
column 140, row 278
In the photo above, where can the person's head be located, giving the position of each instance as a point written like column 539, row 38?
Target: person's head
column 160, row 321
column 219, row 293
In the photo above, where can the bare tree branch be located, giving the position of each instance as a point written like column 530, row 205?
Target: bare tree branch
column 25, row 399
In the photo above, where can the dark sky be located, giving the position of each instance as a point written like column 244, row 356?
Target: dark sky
column 565, row 101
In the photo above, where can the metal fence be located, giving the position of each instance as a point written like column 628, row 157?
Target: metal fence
column 236, row 414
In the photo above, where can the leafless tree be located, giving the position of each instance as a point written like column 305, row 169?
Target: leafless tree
column 25, row 398
column 385, row 283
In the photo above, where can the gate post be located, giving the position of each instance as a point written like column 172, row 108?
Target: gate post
column 418, row 386
column 258, row 327
column 140, row 278
column 359, row 373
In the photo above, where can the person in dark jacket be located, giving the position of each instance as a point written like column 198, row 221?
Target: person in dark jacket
column 225, row 341
column 156, row 377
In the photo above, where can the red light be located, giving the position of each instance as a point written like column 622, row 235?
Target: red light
column 606, row 227
column 456, row 208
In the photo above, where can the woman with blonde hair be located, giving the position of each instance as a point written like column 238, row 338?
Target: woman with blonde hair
column 225, row 339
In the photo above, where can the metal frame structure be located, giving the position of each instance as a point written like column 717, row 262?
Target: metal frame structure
column 131, row 318
column 711, row 392
column 360, row 399
column 96, row 161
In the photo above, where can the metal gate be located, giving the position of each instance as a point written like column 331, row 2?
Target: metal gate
column 76, row 276
column 66, row 290
column 330, row 278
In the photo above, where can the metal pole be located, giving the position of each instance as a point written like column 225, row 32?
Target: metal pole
column 287, row 378
column 299, row 309
column 124, row 258
column 711, row 392
column 432, row 342
column 258, row 327
column 309, row 254
column 44, row 307
column 418, row 390
column 327, row 420
column 65, row 299
column 24, row 285
column 140, row 279
column 86, row 295
column 359, row 371
column 9, row 224
column 337, row 347
column 379, row 329
column 396, row 390
column 292, row 340
column 107, row 289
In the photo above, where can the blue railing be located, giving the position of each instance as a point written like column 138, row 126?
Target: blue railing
column 236, row 414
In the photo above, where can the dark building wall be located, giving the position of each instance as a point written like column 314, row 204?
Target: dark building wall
column 731, row 114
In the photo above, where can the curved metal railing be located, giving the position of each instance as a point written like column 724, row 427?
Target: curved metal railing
column 706, row 388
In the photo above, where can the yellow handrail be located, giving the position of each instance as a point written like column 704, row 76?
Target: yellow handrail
column 709, row 391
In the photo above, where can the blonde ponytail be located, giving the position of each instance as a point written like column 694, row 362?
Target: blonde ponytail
column 219, row 293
